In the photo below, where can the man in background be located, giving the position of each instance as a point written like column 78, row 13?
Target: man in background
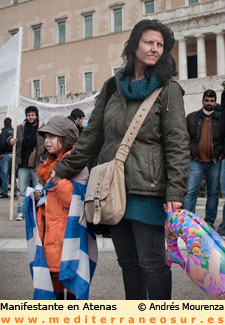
column 29, row 148
column 206, row 146
column 77, row 116
column 6, row 157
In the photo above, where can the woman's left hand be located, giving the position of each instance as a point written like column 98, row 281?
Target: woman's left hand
column 170, row 205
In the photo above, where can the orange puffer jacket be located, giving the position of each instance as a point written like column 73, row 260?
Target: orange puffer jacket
column 52, row 219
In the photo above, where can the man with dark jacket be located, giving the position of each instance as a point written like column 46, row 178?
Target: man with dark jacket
column 77, row 117
column 206, row 137
column 221, row 228
column 6, row 157
column 29, row 148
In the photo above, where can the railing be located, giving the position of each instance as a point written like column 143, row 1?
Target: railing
column 196, row 9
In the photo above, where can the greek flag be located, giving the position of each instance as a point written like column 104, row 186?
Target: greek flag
column 79, row 253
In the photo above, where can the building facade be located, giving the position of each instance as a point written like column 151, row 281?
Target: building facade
column 72, row 46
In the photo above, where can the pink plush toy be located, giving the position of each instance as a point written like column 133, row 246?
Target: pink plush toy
column 206, row 251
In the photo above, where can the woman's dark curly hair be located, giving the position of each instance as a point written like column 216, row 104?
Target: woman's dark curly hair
column 165, row 68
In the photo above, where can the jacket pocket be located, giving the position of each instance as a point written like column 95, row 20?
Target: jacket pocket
column 151, row 168
column 157, row 172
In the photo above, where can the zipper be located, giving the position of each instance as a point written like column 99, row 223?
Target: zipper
column 45, row 217
column 167, row 104
column 200, row 124
column 214, row 160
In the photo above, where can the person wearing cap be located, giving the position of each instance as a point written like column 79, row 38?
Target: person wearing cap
column 29, row 148
column 206, row 148
column 60, row 134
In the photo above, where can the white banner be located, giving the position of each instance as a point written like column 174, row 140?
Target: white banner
column 10, row 60
column 47, row 110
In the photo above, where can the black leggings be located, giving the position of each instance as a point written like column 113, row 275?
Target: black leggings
column 140, row 250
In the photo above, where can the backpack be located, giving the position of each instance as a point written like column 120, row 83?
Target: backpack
column 110, row 88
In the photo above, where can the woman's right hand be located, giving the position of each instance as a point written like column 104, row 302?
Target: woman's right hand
column 54, row 178
column 52, row 175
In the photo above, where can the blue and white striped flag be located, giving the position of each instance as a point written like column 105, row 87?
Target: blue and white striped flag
column 79, row 254
column 43, row 288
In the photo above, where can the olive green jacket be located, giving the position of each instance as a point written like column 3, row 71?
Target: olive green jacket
column 159, row 157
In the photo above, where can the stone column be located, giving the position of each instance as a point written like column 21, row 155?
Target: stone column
column 201, row 56
column 220, row 53
column 182, row 57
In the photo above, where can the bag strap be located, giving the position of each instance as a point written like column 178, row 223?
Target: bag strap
column 135, row 125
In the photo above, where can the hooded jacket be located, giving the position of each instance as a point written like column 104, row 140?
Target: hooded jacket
column 52, row 219
column 5, row 147
column 158, row 161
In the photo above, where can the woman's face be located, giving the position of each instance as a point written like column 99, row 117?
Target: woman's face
column 53, row 144
column 150, row 48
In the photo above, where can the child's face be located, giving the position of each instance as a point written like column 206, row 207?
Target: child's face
column 53, row 144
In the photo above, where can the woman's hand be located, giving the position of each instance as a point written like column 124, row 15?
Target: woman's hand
column 171, row 205
column 54, row 178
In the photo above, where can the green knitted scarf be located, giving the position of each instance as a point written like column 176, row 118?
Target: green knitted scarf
column 139, row 89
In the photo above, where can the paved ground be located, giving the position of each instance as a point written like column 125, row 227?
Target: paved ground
column 15, row 280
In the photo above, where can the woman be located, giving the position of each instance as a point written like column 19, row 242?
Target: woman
column 156, row 169
column 221, row 228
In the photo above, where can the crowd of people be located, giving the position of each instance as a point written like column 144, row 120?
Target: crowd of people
column 167, row 162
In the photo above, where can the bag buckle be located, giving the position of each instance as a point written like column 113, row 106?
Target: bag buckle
column 122, row 152
column 97, row 211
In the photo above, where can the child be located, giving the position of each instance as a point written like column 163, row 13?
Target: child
column 60, row 136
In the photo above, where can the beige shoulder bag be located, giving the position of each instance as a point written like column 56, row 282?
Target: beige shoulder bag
column 105, row 199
